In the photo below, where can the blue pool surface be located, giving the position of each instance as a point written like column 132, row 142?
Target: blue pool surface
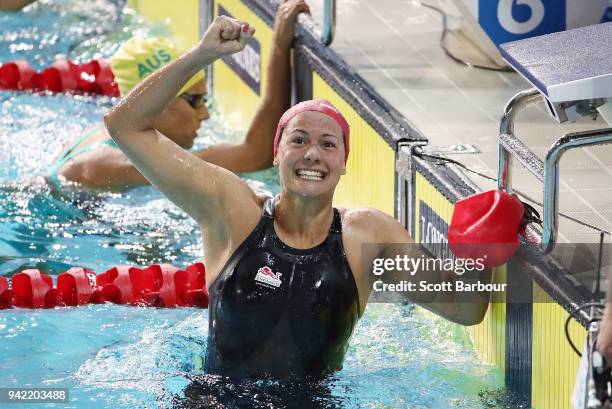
column 112, row 356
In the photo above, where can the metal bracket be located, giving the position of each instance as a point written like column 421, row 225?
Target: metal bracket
column 547, row 172
column 458, row 149
column 405, row 182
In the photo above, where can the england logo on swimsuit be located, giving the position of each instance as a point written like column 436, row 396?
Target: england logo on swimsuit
column 266, row 277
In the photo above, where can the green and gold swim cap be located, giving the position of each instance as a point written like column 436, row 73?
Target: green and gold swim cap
column 139, row 57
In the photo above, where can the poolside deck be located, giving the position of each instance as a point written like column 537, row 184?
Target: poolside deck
column 395, row 46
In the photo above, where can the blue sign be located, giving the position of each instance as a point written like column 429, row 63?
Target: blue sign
column 510, row 20
column 246, row 63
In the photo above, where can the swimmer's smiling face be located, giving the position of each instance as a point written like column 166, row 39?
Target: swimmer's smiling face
column 311, row 154
column 179, row 121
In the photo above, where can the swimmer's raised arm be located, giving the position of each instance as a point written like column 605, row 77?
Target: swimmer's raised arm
column 203, row 190
column 256, row 151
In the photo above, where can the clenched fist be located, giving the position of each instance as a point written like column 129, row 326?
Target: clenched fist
column 225, row 36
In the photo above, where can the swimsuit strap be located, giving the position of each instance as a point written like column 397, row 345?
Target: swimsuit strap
column 107, row 142
column 336, row 226
column 69, row 154
column 77, row 142
column 110, row 143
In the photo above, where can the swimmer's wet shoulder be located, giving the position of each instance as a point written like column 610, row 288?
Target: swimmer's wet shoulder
column 105, row 169
column 362, row 226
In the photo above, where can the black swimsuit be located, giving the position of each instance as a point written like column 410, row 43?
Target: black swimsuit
column 279, row 311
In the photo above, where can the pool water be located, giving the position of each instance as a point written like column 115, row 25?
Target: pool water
column 112, row 356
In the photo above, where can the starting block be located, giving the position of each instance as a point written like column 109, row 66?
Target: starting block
column 572, row 71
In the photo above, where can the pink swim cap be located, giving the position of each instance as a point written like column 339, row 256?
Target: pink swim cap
column 317, row 105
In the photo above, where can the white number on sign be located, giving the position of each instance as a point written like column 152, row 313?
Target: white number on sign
column 504, row 14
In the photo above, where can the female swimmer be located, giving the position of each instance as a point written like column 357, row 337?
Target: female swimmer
column 286, row 279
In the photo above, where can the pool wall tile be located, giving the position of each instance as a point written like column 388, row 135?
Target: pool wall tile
column 236, row 100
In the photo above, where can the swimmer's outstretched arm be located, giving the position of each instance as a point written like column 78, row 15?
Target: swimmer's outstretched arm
column 466, row 308
column 212, row 195
column 257, row 150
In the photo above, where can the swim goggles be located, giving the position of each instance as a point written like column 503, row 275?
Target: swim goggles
column 196, row 101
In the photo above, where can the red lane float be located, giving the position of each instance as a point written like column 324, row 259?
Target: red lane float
column 6, row 294
column 173, row 287
column 62, row 75
column 192, row 283
column 32, row 289
column 115, row 285
column 16, row 75
column 161, row 285
column 75, row 287
column 96, row 77
column 92, row 77
column 88, row 75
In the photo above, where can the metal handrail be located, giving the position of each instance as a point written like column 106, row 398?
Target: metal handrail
column 326, row 33
column 516, row 104
column 329, row 22
column 551, row 177
column 547, row 172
